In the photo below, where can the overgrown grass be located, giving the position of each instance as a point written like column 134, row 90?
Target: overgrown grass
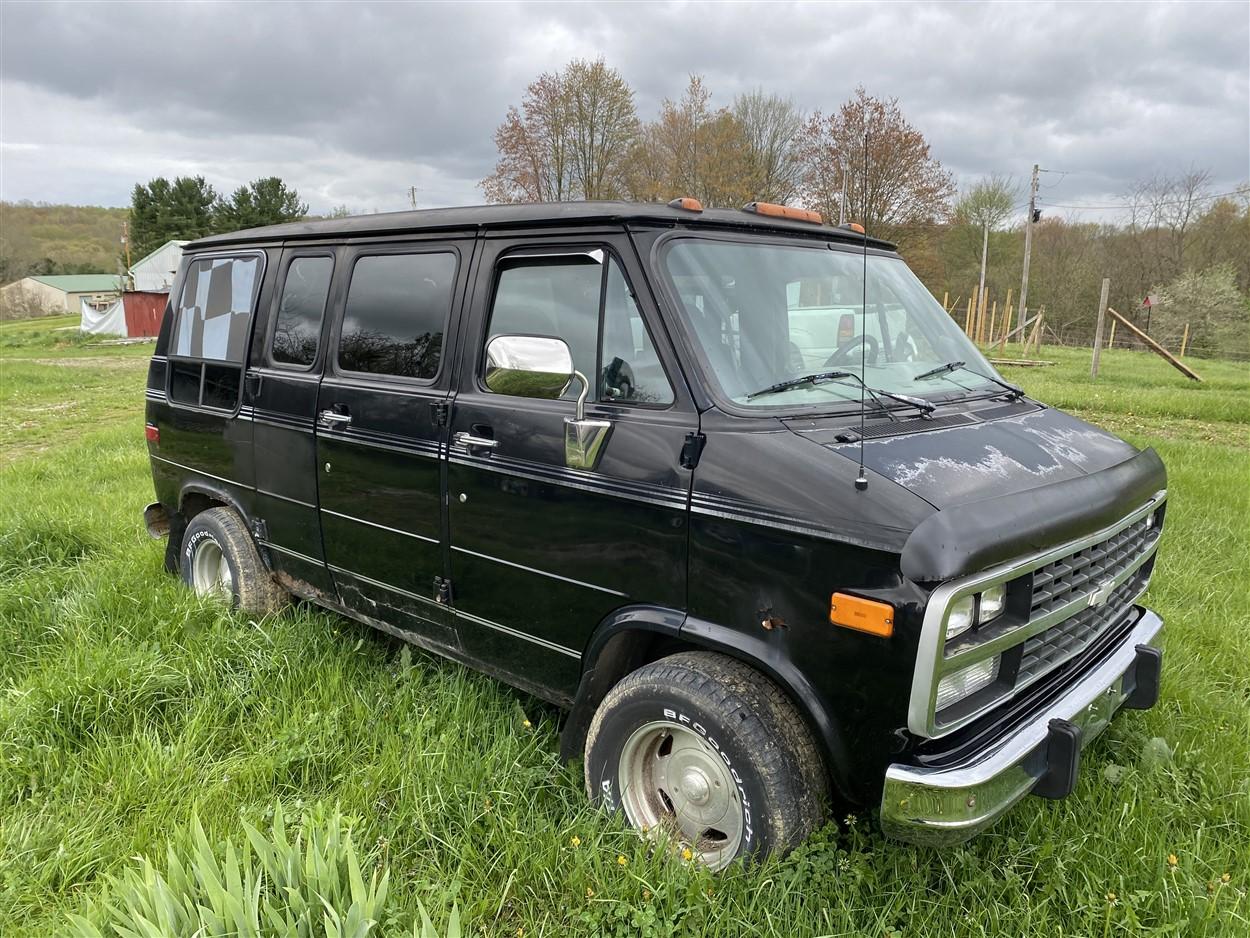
column 128, row 708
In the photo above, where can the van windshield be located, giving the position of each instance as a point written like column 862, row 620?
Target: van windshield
column 762, row 314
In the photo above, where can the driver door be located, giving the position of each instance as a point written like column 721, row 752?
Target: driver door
column 541, row 550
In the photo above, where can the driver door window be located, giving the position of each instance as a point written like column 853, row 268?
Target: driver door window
column 585, row 300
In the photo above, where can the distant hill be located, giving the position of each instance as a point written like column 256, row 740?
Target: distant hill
column 36, row 238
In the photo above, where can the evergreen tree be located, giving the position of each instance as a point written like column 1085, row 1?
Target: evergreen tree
column 265, row 201
column 162, row 211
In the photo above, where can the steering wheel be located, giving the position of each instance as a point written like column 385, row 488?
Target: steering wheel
column 843, row 353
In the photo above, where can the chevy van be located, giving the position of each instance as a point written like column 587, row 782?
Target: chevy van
column 729, row 486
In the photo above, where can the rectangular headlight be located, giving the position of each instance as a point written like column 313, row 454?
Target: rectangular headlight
column 960, row 617
column 959, row 684
column 993, row 602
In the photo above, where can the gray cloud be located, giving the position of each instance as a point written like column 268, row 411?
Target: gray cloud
column 355, row 102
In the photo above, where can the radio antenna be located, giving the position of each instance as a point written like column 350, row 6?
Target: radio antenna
column 861, row 481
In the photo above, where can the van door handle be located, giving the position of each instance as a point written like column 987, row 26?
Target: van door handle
column 332, row 418
column 471, row 442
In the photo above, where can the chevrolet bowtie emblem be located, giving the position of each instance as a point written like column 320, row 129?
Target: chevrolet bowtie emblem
column 1102, row 593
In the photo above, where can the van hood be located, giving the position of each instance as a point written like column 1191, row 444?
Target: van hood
column 1006, row 481
column 968, row 457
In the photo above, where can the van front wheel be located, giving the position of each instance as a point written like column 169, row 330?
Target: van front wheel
column 706, row 752
column 219, row 559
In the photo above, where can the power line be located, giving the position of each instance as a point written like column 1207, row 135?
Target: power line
column 1244, row 190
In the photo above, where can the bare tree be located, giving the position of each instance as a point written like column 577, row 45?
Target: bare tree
column 1161, row 214
column 569, row 139
column 986, row 205
column 770, row 124
column 898, row 183
column 693, row 150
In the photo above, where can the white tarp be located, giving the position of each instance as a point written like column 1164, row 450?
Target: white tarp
column 111, row 320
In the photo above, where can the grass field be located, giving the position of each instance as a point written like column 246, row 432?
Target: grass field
column 128, row 709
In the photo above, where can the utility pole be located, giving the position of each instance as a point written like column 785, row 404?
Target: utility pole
column 412, row 195
column 1028, row 246
column 842, row 197
column 985, row 246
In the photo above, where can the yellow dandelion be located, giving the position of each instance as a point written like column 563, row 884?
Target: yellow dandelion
column 687, row 853
column 526, row 724
column 621, row 861
column 1172, row 861
column 589, row 892
column 646, row 894
column 520, row 933
column 1225, row 878
column 1111, row 897
column 575, row 841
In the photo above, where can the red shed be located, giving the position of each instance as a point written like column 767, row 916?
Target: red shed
column 144, row 312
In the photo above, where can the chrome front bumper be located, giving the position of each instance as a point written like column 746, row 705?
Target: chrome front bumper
column 946, row 805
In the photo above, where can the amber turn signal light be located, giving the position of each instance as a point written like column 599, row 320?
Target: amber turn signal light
column 854, row 226
column 863, row 615
column 689, row 204
column 783, row 211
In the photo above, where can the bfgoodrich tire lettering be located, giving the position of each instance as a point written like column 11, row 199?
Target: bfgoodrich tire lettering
column 218, row 557
column 736, row 747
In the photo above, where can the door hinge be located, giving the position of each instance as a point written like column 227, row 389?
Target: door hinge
column 692, row 449
column 439, row 411
column 442, row 591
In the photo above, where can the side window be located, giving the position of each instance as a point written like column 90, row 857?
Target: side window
column 631, row 367
column 211, row 325
column 584, row 300
column 396, row 311
column 297, row 330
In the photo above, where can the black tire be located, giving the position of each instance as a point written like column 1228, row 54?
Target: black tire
column 220, row 532
column 742, row 717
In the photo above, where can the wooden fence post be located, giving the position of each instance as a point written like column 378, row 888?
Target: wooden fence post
column 1184, row 340
column 1111, row 341
column 1102, row 318
column 1156, row 347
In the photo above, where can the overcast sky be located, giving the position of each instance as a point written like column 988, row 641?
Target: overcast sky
column 354, row 103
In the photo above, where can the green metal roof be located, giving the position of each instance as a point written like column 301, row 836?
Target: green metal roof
column 83, row 283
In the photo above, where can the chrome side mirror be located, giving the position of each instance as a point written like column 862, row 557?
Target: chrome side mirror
column 529, row 366
column 542, row 367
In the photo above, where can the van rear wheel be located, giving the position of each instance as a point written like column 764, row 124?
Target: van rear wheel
column 707, row 752
column 220, row 559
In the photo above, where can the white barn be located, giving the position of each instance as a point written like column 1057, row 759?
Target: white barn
column 155, row 273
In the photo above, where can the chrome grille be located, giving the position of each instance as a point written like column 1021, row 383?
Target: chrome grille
column 1068, row 578
column 1073, row 595
column 1072, row 636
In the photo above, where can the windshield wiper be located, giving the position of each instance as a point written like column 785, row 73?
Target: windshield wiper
column 1016, row 392
column 919, row 403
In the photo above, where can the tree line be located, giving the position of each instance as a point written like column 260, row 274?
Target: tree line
column 188, row 207
column 577, row 134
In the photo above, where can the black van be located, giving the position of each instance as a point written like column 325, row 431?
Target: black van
column 730, row 486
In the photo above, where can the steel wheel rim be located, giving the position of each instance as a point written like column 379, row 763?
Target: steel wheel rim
column 210, row 572
column 673, row 782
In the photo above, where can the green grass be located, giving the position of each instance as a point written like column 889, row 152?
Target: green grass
column 129, row 708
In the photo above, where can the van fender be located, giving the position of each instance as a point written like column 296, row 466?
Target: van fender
column 630, row 637
column 623, row 642
column 179, row 520
column 765, row 657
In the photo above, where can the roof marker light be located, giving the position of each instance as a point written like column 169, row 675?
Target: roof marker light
column 687, row 203
column 853, row 226
column 783, row 211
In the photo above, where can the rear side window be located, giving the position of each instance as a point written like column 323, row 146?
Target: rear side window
column 212, row 322
column 215, row 312
column 396, row 311
column 297, row 331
